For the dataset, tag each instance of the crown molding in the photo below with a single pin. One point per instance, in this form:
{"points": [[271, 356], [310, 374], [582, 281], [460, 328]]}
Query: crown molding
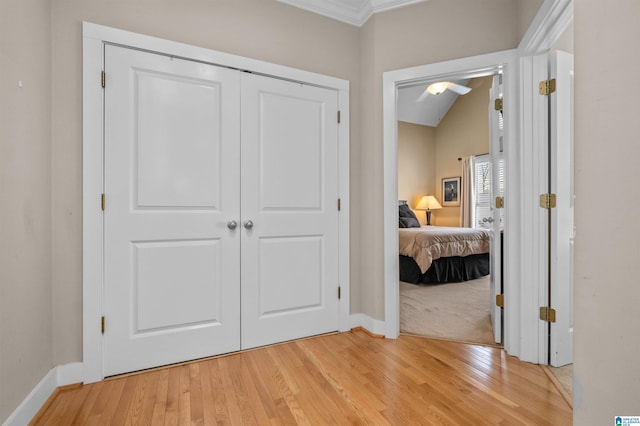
{"points": [[354, 12], [551, 20]]}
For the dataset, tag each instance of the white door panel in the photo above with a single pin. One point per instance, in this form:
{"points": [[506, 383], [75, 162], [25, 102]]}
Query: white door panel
{"points": [[495, 256], [171, 182], [178, 161], [562, 226], [289, 256]]}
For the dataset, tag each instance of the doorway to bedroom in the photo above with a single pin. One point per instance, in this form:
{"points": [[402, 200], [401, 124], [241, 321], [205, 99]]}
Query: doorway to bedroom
{"points": [[449, 137]]}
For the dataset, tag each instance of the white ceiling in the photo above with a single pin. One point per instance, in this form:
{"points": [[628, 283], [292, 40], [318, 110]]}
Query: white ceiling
{"points": [[354, 12], [430, 110]]}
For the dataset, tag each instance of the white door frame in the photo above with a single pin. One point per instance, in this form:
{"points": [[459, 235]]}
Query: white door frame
{"points": [[505, 61], [94, 38], [523, 243], [548, 25]]}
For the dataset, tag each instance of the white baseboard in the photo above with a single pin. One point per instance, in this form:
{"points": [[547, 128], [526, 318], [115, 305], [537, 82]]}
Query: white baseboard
{"points": [[58, 376], [67, 374], [365, 321]]}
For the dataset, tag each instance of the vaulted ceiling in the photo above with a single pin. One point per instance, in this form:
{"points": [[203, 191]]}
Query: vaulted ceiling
{"points": [[354, 12]]}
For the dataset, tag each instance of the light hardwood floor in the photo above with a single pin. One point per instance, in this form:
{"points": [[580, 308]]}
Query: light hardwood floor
{"points": [[347, 378]]}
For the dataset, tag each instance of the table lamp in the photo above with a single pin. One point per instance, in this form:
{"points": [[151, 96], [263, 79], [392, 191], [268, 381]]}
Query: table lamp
{"points": [[428, 203]]}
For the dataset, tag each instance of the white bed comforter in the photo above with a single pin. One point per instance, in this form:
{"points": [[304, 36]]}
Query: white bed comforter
{"points": [[429, 243]]}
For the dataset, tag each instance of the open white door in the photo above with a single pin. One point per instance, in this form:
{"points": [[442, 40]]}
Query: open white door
{"points": [[497, 193], [562, 227]]}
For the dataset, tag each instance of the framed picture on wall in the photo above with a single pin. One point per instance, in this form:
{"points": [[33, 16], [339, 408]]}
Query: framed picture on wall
{"points": [[451, 191]]}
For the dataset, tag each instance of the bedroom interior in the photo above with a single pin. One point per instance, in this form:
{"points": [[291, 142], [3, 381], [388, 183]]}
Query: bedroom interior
{"points": [[431, 142]]}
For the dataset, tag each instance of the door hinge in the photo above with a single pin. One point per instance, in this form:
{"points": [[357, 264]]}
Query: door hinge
{"points": [[103, 79], [338, 117], [102, 324], [500, 300], [547, 87], [339, 292], [102, 201], [339, 204], [499, 202], [498, 104], [547, 201], [547, 314]]}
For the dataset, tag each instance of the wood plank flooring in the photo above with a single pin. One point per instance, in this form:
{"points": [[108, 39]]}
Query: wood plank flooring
{"points": [[347, 378]]}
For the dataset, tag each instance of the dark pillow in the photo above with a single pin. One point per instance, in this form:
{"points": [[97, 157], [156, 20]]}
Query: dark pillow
{"points": [[408, 222], [405, 211]]}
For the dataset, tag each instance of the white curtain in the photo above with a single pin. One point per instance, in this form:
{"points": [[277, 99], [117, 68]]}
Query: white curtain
{"points": [[466, 193]]}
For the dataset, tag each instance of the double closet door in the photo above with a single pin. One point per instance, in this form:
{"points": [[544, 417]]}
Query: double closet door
{"points": [[220, 221]]}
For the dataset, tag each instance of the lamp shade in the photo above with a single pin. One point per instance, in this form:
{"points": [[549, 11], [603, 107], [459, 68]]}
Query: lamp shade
{"points": [[428, 202]]}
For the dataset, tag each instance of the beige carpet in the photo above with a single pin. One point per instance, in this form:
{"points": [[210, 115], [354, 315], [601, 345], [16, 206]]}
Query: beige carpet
{"points": [[564, 376], [456, 311]]}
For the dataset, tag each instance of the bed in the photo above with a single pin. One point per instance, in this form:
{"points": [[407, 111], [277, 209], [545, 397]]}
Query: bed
{"points": [[439, 254]]}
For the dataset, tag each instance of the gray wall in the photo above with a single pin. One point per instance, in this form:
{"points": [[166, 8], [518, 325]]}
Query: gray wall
{"points": [[607, 247], [25, 199]]}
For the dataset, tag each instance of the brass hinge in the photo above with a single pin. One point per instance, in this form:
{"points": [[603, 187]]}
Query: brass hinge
{"points": [[339, 293], [103, 79], [547, 314], [547, 87], [338, 117], [102, 201], [339, 204], [499, 202], [500, 300], [547, 201], [498, 104], [102, 324]]}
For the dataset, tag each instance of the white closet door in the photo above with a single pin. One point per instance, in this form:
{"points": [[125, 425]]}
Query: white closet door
{"points": [[289, 195], [172, 156]]}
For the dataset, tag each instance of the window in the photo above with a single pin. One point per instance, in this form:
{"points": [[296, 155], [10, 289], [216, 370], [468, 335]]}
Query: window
{"points": [[482, 191]]}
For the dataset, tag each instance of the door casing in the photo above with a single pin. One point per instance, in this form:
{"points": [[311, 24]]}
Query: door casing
{"points": [[524, 242], [505, 62], [94, 38]]}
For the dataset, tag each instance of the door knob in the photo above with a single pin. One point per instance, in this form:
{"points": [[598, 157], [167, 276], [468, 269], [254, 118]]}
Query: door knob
{"points": [[248, 224], [232, 224]]}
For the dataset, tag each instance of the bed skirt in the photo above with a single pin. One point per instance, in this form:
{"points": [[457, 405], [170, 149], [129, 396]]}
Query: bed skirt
{"points": [[445, 270]]}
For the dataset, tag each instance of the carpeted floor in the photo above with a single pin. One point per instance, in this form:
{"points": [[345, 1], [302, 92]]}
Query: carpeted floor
{"points": [[564, 376], [456, 311]]}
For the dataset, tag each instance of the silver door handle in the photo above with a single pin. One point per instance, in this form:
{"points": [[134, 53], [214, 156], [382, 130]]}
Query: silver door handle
{"points": [[248, 224], [232, 224]]}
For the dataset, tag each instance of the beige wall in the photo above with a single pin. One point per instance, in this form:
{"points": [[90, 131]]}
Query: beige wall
{"points": [[416, 163], [462, 132], [607, 293], [254, 28], [25, 209], [527, 10]]}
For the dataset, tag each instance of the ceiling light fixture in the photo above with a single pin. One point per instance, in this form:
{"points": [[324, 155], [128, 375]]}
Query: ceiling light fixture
{"points": [[437, 88]]}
